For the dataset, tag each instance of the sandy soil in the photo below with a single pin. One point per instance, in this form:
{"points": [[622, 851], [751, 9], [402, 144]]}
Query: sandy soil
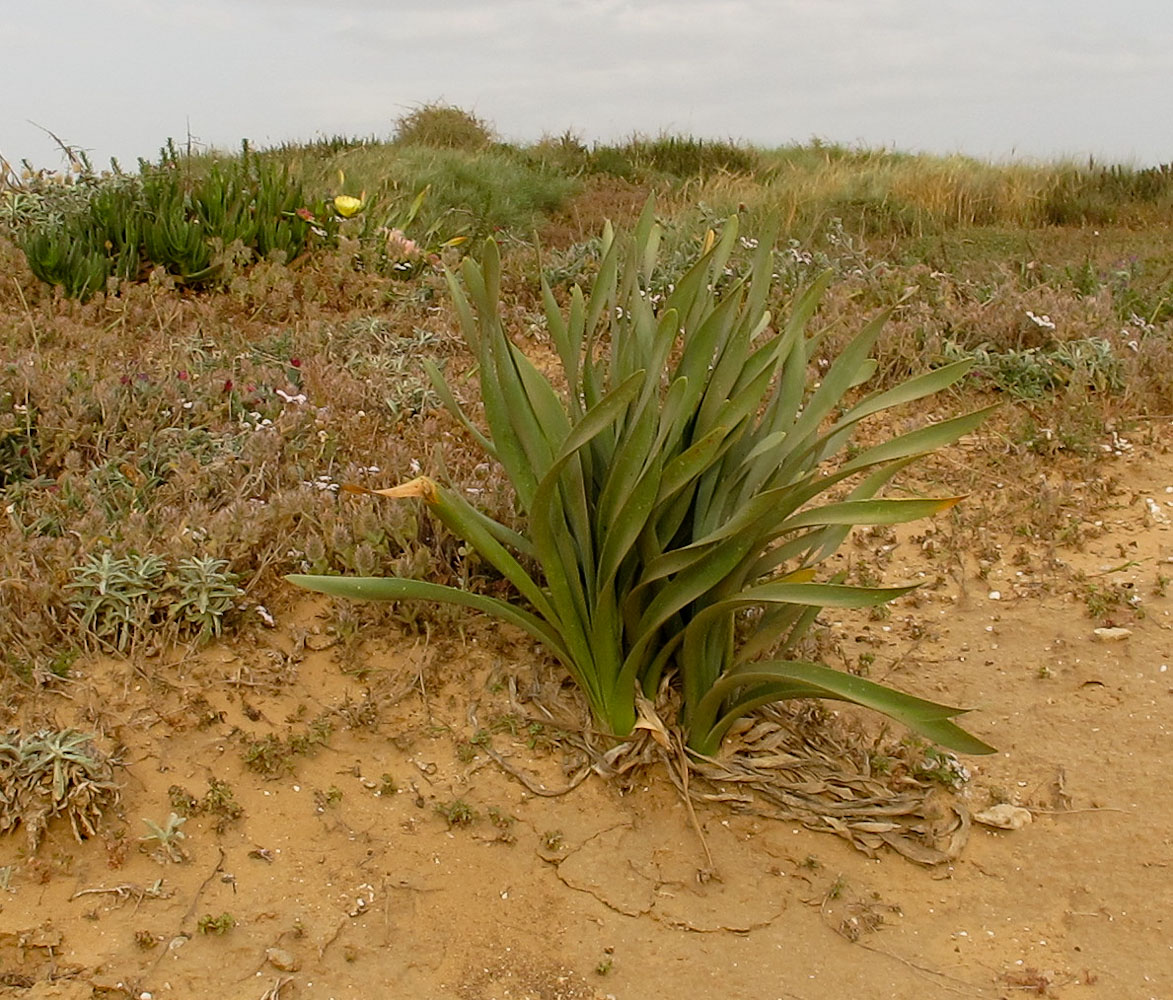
{"points": [[343, 878]]}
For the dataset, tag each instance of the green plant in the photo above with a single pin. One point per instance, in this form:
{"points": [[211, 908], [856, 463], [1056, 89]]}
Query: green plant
{"points": [[121, 598], [670, 498], [442, 126], [268, 756], [679, 156], [167, 836], [501, 820], [220, 801], [182, 801], [457, 812], [1035, 372], [273, 756], [207, 924], [191, 220], [116, 595], [471, 194], [49, 773], [1101, 599], [943, 768], [207, 591]]}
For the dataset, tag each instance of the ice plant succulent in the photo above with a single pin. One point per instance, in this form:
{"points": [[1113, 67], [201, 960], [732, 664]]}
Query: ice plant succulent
{"points": [[680, 482]]}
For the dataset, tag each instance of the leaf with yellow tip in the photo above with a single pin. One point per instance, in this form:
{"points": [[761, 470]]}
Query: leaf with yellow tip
{"points": [[421, 487]]}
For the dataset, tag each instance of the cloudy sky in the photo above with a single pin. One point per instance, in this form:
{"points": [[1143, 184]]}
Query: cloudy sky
{"points": [[995, 79]]}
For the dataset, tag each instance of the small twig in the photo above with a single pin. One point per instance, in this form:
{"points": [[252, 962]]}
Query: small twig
{"points": [[74, 159], [532, 785], [274, 991], [195, 901], [333, 937], [126, 890]]}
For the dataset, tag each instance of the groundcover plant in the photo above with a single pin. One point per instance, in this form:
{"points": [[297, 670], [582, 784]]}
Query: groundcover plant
{"points": [[681, 492]]}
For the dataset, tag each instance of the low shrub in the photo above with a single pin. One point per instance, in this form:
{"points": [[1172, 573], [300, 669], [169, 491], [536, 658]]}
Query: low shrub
{"points": [[441, 126]]}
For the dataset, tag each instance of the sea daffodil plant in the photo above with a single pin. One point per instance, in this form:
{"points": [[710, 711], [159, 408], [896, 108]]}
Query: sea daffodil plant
{"points": [[691, 473]]}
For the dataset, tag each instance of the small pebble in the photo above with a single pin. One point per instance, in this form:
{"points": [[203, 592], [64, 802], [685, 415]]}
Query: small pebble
{"points": [[281, 959]]}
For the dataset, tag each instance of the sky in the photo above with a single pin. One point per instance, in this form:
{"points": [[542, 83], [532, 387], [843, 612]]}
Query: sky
{"points": [[997, 80]]}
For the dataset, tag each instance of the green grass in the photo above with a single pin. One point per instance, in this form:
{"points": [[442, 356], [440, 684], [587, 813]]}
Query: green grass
{"points": [[470, 193]]}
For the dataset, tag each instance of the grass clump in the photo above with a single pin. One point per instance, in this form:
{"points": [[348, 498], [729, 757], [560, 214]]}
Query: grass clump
{"points": [[475, 193], [441, 126], [672, 496], [680, 157]]}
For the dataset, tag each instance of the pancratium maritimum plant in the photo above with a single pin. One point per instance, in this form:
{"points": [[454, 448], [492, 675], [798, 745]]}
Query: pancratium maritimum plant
{"points": [[681, 480]]}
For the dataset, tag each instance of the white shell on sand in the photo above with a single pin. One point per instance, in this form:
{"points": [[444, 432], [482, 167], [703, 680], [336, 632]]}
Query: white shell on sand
{"points": [[1004, 816]]}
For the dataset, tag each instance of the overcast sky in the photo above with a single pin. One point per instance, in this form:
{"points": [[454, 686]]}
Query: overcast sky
{"points": [[995, 79]]}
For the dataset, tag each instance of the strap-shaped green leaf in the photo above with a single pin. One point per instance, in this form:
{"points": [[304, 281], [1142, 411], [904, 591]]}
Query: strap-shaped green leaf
{"points": [[762, 683], [390, 588]]}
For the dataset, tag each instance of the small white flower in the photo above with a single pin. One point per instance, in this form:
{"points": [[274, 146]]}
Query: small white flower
{"points": [[296, 400]]}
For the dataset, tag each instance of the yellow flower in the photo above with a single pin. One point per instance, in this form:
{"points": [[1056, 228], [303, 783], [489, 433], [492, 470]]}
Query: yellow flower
{"points": [[346, 206]]}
